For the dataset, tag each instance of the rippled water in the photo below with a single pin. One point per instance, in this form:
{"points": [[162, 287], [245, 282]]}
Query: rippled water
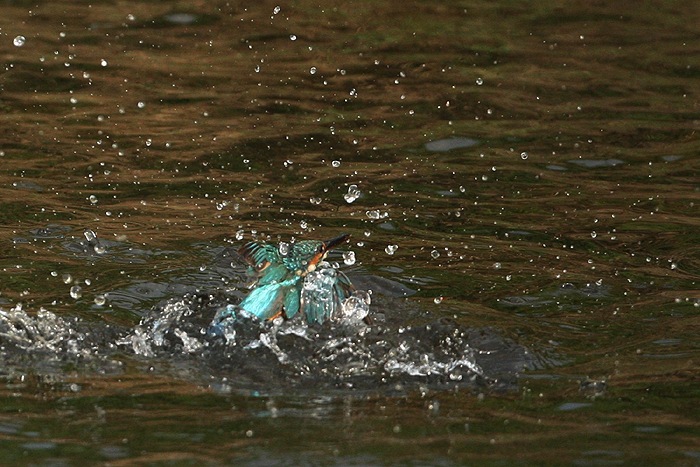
{"points": [[521, 185]]}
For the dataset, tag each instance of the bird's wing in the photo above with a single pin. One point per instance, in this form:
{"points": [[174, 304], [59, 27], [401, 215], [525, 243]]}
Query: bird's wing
{"points": [[265, 301], [259, 255]]}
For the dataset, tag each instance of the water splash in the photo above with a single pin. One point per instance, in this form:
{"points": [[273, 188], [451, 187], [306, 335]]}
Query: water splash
{"points": [[44, 343], [343, 352]]}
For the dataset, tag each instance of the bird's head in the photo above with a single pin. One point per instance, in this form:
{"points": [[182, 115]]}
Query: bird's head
{"points": [[304, 256]]}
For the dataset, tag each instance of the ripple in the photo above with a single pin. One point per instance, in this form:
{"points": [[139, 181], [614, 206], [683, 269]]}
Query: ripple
{"points": [[596, 163], [448, 144]]}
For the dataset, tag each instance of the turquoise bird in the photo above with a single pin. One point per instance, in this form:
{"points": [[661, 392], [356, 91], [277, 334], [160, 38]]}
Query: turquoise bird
{"points": [[291, 279]]}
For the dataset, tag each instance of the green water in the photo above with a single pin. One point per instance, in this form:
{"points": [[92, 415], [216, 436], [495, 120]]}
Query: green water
{"points": [[536, 163]]}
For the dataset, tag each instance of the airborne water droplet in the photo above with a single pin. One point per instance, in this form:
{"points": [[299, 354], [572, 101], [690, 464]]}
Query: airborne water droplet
{"points": [[349, 258], [352, 194], [76, 292]]}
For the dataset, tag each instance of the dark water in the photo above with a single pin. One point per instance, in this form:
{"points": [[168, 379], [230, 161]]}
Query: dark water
{"points": [[532, 167]]}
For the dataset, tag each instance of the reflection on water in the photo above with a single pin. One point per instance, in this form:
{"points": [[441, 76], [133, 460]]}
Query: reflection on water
{"points": [[518, 179]]}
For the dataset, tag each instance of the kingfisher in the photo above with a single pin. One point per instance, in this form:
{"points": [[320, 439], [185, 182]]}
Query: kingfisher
{"points": [[291, 279]]}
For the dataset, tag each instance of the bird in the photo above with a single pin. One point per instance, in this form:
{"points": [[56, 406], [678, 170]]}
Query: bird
{"points": [[291, 279]]}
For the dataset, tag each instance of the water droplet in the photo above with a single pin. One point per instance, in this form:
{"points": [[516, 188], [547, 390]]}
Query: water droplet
{"points": [[283, 248], [497, 265], [276, 10], [312, 70], [292, 37], [19, 41], [335, 164], [92, 199], [90, 236], [239, 235], [76, 292], [438, 300], [479, 81], [304, 225], [73, 100], [373, 214], [594, 234], [349, 258], [100, 300], [352, 194], [67, 278], [314, 200], [141, 105], [391, 249], [435, 254], [103, 62], [523, 155]]}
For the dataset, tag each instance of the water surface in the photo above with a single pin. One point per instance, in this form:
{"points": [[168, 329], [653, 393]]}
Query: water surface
{"points": [[531, 168]]}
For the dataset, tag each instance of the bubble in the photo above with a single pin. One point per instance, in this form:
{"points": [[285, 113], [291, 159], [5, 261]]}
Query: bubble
{"points": [[349, 258], [19, 41], [479, 81], [391, 249], [435, 254], [352, 194], [103, 62], [76, 292]]}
